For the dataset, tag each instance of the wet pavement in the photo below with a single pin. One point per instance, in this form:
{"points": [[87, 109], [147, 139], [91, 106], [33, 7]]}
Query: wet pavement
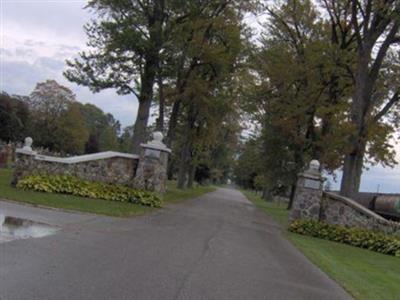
{"points": [[217, 246], [12, 228]]}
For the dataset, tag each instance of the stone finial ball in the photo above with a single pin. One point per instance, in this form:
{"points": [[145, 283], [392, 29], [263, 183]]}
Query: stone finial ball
{"points": [[28, 141], [314, 164], [158, 136]]}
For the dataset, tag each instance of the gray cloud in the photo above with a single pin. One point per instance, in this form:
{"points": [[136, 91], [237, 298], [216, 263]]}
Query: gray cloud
{"points": [[4, 52], [50, 63], [21, 77], [32, 43], [42, 35], [64, 17]]}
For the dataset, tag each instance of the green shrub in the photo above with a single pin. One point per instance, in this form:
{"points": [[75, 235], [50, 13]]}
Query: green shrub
{"points": [[378, 242], [78, 187]]}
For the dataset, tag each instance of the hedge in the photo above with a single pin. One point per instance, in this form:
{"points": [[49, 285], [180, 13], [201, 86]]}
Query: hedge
{"points": [[378, 242], [78, 187]]}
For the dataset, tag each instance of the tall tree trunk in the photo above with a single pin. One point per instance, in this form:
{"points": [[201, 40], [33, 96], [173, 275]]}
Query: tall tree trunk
{"points": [[151, 66], [352, 170], [266, 194], [298, 165], [353, 160], [139, 132], [173, 121], [186, 154], [291, 197], [160, 120], [191, 174], [183, 166]]}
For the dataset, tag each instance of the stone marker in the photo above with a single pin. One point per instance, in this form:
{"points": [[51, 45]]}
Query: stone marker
{"points": [[151, 174], [307, 198]]}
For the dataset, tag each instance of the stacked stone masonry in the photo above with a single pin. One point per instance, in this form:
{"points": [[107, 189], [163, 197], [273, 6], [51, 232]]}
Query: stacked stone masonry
{"points": [[117, 170], [147, 172], [343, 211], [310, 202]]}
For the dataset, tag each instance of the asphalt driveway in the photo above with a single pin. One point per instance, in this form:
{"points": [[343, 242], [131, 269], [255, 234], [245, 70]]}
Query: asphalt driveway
{"points": [[218, 246]]}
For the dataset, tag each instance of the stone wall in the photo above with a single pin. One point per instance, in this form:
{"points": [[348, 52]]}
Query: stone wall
{"points": [[310, 202], [147, 172], [339, 210], [108, 167]]}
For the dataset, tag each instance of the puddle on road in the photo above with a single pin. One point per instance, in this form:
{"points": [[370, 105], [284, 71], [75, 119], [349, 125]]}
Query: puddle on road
{"points": [[12, 228]]}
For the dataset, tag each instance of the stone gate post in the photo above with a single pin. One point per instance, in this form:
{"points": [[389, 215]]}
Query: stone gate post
{"points": [[23, 161], [308, 195], [151, 173]]}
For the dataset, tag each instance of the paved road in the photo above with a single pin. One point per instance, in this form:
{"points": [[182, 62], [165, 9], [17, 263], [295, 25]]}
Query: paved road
{"points": [[218, 246]]}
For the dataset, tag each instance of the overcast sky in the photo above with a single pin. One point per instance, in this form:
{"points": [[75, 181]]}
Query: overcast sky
{"points": [[36, 36]]}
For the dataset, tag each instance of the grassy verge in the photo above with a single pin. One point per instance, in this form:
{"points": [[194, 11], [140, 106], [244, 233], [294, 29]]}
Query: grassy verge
{"points": [[109, 208], [364, 274]]}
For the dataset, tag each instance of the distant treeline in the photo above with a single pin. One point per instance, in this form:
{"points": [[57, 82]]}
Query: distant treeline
{"points": [[56, 121]]}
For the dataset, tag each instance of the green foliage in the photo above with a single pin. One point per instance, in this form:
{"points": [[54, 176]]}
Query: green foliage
{"points": [[14, 115], [206, 50], [75, 186], [48, 102], [72, 133], [57, 122], [103, 129], [97, 206], [357, 237], [249, 164]]}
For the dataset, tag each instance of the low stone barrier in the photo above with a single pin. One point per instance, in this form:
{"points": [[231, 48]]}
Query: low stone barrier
{"points": [[147, 171], [339, 210], [108, 167], [311, 202]]}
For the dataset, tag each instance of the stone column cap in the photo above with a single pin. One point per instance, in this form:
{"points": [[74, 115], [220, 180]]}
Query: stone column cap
{"points": [[27, 148], [313, 171], [156, 143]]}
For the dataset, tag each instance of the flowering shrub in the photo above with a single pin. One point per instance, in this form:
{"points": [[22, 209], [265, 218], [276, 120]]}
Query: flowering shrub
{"points": [[78, 187], [378, 242]]}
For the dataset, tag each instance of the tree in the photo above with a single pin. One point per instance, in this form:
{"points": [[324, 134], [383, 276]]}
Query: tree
{"points": [[297, 96], [197, 41], [370, 30], [125, 40], [125, 140], [103, 129], [205, 48], [72, 132], [14, 118], [48, 102], [248, 163]]}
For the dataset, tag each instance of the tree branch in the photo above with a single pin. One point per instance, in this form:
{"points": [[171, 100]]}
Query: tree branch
{"points": [[376, 66], [354, 21], [395, 98]]}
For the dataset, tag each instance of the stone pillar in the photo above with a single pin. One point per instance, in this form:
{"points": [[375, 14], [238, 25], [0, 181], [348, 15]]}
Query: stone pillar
{"points": [[151, 173], [23, 161], [308, 195]]}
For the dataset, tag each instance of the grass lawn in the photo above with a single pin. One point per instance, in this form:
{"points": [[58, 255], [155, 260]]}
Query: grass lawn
{"points": [[110, 208], [363, 273]]}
